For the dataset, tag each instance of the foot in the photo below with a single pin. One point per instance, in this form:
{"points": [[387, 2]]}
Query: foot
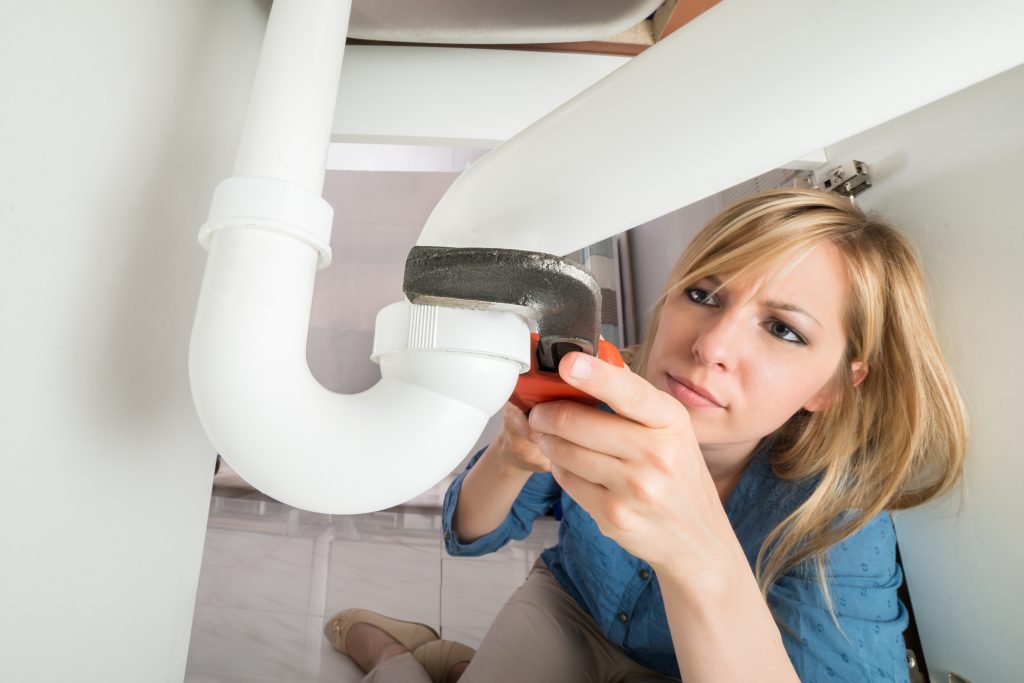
{"points": [[374, 636], [368, 646]]}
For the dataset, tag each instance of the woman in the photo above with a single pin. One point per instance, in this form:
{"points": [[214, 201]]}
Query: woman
{"points": [[727, 519]]}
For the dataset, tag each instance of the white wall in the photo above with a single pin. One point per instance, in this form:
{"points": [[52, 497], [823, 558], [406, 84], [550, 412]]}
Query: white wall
{"points": [[951, 175], [118, 119]]}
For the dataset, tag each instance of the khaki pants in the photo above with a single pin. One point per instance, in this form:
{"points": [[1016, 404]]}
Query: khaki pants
{"points": [[540, 636]]}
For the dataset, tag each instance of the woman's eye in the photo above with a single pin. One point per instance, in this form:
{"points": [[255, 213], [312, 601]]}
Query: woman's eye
{"points": [[785, 332], [701, 296]]}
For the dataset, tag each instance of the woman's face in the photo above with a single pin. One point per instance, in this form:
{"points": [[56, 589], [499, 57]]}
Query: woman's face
{"points": [[744, 360]]}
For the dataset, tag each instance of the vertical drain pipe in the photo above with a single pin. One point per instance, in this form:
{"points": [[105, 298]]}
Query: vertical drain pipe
{"points": [[443, 372], [291, 109]]}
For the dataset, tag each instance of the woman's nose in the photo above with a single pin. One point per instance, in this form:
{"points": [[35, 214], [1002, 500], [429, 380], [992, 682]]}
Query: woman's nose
{"points": [[715, 344]]}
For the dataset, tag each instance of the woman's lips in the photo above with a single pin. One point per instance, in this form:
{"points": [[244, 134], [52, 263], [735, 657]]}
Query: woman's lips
{"points": [[690, 396]]}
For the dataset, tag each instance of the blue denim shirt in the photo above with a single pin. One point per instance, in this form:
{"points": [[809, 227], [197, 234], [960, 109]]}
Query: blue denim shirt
{"points": [[621, 592]]}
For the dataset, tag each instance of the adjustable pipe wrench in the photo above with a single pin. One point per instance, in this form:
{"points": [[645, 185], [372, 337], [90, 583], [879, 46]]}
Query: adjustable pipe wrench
{"points": [[559, 295]]}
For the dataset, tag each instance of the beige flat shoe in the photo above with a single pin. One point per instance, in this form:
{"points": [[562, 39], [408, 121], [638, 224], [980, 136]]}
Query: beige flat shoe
{"points": [[408, 633], [438, 657]]}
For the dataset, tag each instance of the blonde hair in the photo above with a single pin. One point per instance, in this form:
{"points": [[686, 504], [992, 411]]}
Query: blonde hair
{"points": [[892, 442]]}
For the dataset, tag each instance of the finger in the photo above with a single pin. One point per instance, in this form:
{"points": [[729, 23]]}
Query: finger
{"points": [[594, 467], [517, 423], [590, 427], [590, 497], [628, 394]]}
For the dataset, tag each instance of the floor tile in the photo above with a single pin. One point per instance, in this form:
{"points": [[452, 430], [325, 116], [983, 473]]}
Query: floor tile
{"points": [[272, 575], [278, 580]]}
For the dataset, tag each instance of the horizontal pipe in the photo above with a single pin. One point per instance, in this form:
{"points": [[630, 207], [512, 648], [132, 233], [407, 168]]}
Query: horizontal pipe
{"points": [[744, 88]]}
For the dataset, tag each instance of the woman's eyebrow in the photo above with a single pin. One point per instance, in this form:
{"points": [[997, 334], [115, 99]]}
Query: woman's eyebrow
{"points": [[770, 303], [783, 306]]}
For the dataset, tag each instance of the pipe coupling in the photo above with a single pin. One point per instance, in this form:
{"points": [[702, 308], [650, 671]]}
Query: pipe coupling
{"points": [[271, 204]]}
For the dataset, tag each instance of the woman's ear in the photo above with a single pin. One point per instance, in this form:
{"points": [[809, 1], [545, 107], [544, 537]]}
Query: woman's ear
{"points": [[828, 394], [859, 372]]}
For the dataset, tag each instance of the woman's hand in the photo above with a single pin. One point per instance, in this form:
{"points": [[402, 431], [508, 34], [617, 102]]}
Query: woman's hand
{"points": [[516, 443], [642, 477], [639, 473]]}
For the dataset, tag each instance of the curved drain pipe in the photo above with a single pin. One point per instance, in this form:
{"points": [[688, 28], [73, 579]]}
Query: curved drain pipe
{"points": [[444, 371]]}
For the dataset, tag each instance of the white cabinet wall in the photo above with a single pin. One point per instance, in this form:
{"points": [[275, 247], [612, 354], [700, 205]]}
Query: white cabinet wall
{"points": [[118, 119], [951, 175]]}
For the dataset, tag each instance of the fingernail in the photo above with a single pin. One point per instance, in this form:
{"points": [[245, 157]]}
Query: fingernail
{"points": [[581, 367]]}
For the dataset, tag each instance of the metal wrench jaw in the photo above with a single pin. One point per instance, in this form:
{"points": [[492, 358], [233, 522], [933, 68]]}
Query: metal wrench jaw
{"points": [[551, 350], [562, 297]]}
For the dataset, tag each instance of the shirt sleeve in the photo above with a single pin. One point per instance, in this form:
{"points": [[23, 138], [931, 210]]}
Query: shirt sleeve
{"points": [[536, 498], [865, 640]]}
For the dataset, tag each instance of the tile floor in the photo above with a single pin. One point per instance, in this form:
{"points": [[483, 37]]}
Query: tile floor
{"points": [[272, 575]]}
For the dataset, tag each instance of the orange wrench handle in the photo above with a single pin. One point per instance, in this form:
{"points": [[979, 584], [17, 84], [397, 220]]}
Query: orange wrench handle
{"points": [[537, 386]]}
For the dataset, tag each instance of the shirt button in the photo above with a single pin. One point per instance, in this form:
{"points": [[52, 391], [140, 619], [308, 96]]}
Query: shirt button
{"points": [[623, 617], [644, 574]]}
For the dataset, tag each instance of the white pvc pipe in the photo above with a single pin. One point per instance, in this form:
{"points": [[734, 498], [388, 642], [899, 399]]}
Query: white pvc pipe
{"points": [[286, 434], [285, 134], [743, 89], [267, 233]]}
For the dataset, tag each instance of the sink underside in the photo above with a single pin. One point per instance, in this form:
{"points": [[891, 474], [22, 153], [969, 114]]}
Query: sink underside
{"points": [[482, 22]]}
